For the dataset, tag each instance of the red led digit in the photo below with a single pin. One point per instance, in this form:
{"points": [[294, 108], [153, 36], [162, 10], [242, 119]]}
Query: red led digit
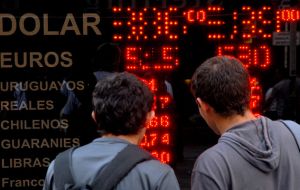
{"points": [[254, 25], [259, 57], [169, 55], [211, 11], [256, 96], [286, 15], [201, 16], [248, 25], [244, 54], [164, 101], [262, 57], [131, 54], [149, 140], [117, 24], [137, 24], [295, 15], [165, 121], [144, 142], [153, 139], [164, 58], [225, 50], [165, 139], [155, 154], [165, 157], [290, 15], [152, 84], [278, 21], [193, 16], [153, 123], [164, 25], [146, 24], [263, 22], [234, 28]]}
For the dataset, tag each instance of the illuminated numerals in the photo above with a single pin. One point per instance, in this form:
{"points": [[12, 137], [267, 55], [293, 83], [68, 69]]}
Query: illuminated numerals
{"points": [[235, 26], [162, 121], [259, 57], [211, 11], [165, 139], [207, 17], [289, 15], [118, 24], [154, 123], [165, 121], [163, 156], [262, 56], [165, 26], [249, 23], [145, 24], [152, 84], [164, 101], [254, 24], [245, 54], [137, 24], [286, 15], [265, 23], [153, 139], [164, 58], [256, 96], [150, 140], [195, 16]]}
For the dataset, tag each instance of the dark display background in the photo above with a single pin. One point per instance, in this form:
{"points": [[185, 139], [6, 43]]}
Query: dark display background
{"points": [[20, 163]]}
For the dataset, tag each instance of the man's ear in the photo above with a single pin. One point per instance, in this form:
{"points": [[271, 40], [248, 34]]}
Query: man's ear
{"points": [[150, 115], [203, 105], [198, 101], [94, 115]]}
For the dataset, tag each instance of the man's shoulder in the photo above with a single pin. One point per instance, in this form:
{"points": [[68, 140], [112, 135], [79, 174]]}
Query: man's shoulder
{"points": [[213, 161], [213, 154], [151, 174], [153, 166]]}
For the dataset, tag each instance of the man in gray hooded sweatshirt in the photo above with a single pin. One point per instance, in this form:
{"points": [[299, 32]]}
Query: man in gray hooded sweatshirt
{"points": [[252, 153]]}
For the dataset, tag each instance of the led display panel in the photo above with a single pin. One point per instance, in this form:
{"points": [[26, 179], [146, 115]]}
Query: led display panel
{"points": [[47, 50]]}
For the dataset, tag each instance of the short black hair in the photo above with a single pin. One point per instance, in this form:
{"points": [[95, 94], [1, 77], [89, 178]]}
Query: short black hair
{"points": [[107, 57], [223, 82], [121, 103]]}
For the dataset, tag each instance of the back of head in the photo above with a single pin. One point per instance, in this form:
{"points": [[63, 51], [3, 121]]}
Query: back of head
{"points": [[107, 57], [223, 83], [121, 103]]}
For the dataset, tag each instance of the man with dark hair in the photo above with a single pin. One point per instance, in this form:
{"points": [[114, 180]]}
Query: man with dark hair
{"points": [[286, 96], [122, 109], [107, 60], [252, 152]]}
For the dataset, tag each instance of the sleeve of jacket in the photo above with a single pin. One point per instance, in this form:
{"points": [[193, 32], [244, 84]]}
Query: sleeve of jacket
{"points": [[48, 184], [201, 181], [168, 181]]}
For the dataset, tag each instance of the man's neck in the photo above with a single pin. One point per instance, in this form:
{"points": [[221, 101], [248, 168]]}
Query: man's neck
{"points": [[224, 124], [134, 139]]}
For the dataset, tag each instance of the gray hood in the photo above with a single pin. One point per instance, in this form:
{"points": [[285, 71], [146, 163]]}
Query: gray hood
{"points": [[254, 141]]}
